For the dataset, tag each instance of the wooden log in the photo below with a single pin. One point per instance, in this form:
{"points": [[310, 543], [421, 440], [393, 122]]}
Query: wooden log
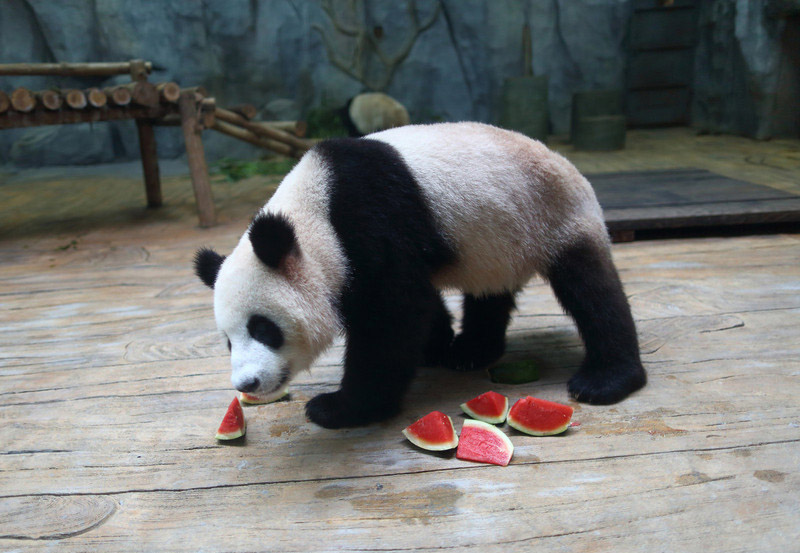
{"points": [[297, 128], [208, 108], [143, 93], [5, 102], [118, 95], [76, 99], [247, 136], [199, 92], [23, 100], [149, 154], [169, 92], [248, 111], [196, 158], [15, 119], [70, 69], [50, 99], [263, 131], [96, 97]]}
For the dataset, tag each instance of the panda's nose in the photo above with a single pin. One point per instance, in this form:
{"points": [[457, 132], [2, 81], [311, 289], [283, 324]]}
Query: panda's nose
{"points": [[248, 386]]}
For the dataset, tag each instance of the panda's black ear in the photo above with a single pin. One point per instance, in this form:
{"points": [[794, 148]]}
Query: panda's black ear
{"points": [[273, 239], [206, 265]]}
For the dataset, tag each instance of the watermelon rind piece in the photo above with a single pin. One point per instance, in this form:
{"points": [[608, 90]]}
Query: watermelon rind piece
{"points": [[434, 420], [477, 407], [515, 372], [530, 415], [474, 433], [250, 399], [233, 424]]}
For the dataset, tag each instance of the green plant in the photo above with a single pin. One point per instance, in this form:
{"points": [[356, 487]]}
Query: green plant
{"points": [[325, 122], [237, 169]]}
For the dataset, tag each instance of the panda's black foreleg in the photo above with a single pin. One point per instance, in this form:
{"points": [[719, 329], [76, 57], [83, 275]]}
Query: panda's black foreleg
{"points": [[387, 327], [482, 339], [440, 337], [587, 285]]}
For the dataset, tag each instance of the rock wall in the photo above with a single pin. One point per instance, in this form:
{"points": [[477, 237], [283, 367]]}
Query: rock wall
{"points": [[265, 52]]}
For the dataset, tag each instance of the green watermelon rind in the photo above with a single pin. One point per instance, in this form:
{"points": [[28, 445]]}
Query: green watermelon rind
{"points": [[500, 419], [430, 446], [519, 425], [250, 399]]}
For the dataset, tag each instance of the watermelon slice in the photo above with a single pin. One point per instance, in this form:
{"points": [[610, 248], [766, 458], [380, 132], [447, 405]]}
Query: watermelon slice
{"points": [[433, 432], [484, 443], [250, 399], [233, 424], [489, 407], [539, 417]]}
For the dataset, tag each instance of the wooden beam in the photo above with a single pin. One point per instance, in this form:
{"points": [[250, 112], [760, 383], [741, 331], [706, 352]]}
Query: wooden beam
{"points": [[196, 158], [247, 136], [13, 119], [5, 102], [70, 69], [300, 146]]}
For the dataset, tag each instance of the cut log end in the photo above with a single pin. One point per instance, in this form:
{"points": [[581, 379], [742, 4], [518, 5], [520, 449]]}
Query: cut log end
{"points": [[50, 99], [119, 95], [96, 97], [5, 102], [169, 92], [23, 100], [75, 99]]}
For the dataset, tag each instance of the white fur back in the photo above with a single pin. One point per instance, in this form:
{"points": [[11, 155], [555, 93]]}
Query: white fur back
{"points": [[506, 203]]}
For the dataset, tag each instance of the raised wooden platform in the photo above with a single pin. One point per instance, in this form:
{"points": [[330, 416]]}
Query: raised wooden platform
{"points": [[113, 379], [680, 198]]}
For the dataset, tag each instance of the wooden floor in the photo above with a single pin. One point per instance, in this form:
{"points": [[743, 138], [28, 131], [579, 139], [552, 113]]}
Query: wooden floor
{"points": [[113, 380]]}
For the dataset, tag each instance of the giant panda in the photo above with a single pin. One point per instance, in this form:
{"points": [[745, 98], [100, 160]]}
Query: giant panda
{"points": [[363, 235]]}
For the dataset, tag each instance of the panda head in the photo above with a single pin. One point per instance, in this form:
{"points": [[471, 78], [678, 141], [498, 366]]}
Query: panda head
{"points": [[271, 315]]}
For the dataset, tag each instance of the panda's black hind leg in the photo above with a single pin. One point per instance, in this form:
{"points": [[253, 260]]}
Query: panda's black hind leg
{"points": [[482, 339], [587, 285]]}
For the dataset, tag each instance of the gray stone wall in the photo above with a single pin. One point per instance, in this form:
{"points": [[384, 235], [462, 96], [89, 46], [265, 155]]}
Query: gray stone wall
{"points": [[265, 51]]}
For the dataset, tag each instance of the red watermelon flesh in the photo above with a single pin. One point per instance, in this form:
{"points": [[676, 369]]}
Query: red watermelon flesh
{"points": [[433, 432], [484, 443], [233, 424], [539, 417], [488, 407]]}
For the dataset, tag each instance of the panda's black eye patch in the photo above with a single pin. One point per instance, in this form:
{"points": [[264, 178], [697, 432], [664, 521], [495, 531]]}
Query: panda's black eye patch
{"points": [[265, 331]]}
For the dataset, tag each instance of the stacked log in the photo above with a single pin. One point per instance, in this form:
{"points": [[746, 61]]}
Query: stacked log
{"points": [[260, 134]]}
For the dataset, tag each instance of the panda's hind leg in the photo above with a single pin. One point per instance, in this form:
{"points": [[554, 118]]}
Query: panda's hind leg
{"points": [[587, 285], [482, 339]]}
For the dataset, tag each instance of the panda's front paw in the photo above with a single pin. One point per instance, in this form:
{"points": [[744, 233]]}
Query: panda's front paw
{"points": [[469, 353], [332, 410], [608, 385]]}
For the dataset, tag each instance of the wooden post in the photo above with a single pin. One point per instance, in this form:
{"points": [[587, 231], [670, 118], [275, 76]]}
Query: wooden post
{"points": [[149, 153], [196, 158]]}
